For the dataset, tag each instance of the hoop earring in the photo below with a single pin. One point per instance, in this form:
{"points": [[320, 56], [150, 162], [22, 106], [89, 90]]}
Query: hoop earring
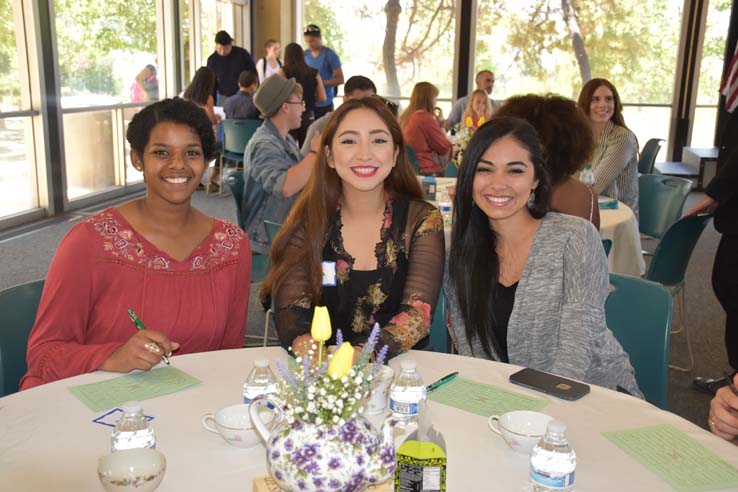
{"points": [[532, 199]]}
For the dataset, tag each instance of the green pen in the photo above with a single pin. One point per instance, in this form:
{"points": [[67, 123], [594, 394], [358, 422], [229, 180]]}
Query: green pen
{"points": [[441, 382], [140, 326]]}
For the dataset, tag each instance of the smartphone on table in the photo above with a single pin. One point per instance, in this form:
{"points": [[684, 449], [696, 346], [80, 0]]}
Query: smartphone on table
{"points": [[550, 384]]}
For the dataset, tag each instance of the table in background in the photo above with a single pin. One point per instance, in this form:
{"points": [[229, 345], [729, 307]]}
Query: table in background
{"points": [[48, 441], [621, 227]]}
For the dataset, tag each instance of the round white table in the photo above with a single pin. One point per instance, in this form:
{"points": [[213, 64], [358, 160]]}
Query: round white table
{"points": [[621, 227], [48, 442]]}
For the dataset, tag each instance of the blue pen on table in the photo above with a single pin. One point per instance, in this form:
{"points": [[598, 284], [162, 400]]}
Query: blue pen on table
{"points": [[441, 382], [139, 324]]}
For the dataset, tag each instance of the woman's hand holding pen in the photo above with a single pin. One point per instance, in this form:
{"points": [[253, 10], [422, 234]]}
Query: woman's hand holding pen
{"points": [[142, 351]]}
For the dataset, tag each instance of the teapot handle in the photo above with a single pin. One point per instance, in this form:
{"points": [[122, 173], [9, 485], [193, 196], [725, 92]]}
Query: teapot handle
{"points": [[273, 405]]}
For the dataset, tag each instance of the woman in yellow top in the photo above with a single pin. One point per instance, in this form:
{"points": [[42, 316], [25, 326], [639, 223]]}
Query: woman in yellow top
{"points": [[478, 111]]}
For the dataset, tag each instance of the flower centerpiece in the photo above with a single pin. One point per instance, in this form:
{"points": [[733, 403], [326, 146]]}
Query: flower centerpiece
{"points": [[323, 442], [463, 136]]}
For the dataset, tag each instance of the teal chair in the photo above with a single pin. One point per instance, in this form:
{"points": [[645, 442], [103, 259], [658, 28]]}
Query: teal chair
{"points": [[451, 170], [660, 202], [272, 228], [236, 134], [648, 155], [235, 183], [638, 313], [607, 244], [669, 266], [413, 158], [18, 306], [439, 329]]}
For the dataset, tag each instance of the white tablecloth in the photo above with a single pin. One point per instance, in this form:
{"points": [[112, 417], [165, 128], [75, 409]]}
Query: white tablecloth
{"points": [[48, 442], [621, 227]]}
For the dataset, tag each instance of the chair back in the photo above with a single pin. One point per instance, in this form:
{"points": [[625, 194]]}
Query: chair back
{"points": [[235, 183], [236, 134], [439, 329], [660, 202], [638, 313], [259, 267], [670, 260], [607, 245], [451, 170], [648, 155], [272, 228], [413, 158], [18, 306]]}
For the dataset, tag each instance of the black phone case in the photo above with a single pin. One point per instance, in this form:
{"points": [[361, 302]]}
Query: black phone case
{"points": [[550, 384]]}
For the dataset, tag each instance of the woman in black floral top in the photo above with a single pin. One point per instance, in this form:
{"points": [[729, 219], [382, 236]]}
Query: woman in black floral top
{"points": [[360, 239]]}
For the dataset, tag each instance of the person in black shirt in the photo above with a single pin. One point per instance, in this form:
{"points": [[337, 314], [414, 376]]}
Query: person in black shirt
{"points": [[228, 61]]}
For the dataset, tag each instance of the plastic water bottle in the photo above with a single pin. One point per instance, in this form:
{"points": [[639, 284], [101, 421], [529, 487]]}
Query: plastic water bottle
{"points": [[261, 381], [133, 429], [444, 205], [553, 461], [406, 393], [429, 187], [587, 175]]}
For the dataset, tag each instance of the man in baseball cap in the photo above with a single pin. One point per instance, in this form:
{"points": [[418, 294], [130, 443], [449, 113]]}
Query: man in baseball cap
{"points": [[328, 65], [274, 170]]}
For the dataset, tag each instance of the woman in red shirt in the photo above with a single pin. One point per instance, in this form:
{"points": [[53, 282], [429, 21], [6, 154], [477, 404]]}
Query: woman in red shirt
{"points": [[423, 133], [186, 275]]}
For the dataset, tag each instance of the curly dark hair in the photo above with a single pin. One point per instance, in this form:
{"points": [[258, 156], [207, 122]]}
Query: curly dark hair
{"points": [[562, 128], [175, 110], [201, 87]]}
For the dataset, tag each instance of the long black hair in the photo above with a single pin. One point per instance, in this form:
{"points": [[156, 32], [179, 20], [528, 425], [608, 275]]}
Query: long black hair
{"points": [[294, 61], [474, 267]]}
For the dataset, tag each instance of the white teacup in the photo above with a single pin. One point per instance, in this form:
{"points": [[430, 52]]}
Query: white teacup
{"points": [[233, 423], [376, 400], [521, 429], [132, 470]]}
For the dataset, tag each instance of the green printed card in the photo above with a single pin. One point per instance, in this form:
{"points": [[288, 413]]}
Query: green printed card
{"points": [[484, 399], [676, 458], [138, 386]]}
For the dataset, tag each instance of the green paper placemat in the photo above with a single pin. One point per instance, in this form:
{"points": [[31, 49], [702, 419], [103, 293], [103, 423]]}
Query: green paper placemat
{"points": [[484, 399], [676, 458], [139, 386]]}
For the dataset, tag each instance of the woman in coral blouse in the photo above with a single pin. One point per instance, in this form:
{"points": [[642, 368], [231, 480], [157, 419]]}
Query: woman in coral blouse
{"points": [[422, 131], [359, 240], [186, 275]]}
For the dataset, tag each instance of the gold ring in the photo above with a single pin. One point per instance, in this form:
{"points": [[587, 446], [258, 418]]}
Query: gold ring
{"points": [[152, 347]]}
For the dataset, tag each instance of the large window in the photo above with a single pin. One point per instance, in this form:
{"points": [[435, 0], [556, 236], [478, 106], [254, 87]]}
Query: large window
{"points": [[544, 46], [107, 57], [395, 43], [18, 183]]}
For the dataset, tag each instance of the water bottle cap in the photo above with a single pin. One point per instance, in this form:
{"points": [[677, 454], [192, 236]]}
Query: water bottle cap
{"points": [[408, 365], [556, 427], [131, 407], [261, 362]]}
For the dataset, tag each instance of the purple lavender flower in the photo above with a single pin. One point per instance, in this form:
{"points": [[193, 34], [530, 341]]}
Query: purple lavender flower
{"points": [[381, 356], [339, 337], [287, 375], [306, 370]]}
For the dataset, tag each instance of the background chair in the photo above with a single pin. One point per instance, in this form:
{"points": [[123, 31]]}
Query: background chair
{"points": [[607, 244], [439, 328], [648, 155], [660, 202], [18, 306], [669, 266], [236, 134], [413, 158], [451, 170], [638, 313]]}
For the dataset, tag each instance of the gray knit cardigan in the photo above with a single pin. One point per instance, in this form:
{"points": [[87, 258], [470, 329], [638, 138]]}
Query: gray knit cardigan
{"points": [[557, 323]]}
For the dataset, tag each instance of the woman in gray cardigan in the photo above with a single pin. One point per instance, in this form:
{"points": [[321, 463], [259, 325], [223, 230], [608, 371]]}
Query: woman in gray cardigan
{"points": [[525, 285]]}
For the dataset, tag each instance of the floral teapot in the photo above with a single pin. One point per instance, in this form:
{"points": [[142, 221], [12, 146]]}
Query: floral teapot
{"points": [[346, 456]]}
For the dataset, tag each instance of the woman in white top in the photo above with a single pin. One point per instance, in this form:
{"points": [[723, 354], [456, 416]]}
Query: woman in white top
{"points": [[269, 64], [615, 156]]}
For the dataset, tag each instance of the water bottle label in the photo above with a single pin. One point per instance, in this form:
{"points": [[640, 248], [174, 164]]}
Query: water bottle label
{"points": [[552, 481], [403, 408]]}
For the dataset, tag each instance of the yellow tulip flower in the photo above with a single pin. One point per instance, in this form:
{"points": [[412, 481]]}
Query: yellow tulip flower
{"points": [[342, 361], [320, 329]]}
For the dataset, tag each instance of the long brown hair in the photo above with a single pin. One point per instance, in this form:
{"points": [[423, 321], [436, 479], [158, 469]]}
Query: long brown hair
{"points": [[301, 238], [585, 99], [420, 100]]}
